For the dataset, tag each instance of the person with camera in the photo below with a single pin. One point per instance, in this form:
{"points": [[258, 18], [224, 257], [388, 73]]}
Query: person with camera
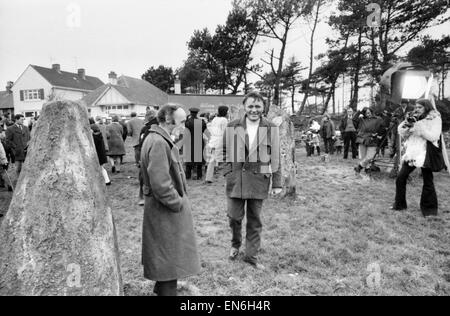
{"points": [[422, 130], [370, 129]]}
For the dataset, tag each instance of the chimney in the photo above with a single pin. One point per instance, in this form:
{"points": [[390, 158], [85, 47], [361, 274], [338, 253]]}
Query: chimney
{"points": [[112, 78], [9, 85], [56, 67], [177, 85], [82, 73]]}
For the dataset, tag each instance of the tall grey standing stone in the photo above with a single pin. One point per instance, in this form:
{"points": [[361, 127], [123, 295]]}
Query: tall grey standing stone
{"points": [[58, 237]]}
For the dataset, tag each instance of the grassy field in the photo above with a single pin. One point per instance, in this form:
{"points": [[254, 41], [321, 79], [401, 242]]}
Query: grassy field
{"points": [[337, 238]]}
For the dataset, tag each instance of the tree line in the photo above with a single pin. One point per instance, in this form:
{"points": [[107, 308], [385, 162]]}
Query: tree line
{"points": [[222, 60]]}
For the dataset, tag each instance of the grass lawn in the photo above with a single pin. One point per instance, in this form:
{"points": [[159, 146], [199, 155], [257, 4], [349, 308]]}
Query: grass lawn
{"points": [[338, 238]]}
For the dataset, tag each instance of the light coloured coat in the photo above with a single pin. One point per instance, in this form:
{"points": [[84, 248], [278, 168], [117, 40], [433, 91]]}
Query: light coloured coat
{"points": [[428, 129]]}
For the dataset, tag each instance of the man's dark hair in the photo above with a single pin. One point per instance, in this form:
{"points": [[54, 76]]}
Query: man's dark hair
{"points": [[133, 114], [254, 95], [166, 112], [223, 111], [91, 120], [18, 117]]}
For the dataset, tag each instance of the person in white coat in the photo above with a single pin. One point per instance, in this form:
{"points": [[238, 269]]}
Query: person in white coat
{"points": [[425, 125], [217, 129]]}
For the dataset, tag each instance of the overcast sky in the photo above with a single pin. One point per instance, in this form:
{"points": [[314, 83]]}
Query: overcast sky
{"points": [[125, 36]]}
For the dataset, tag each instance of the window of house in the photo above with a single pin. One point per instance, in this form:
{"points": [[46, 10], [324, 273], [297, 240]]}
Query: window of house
{"points": [[119, 107], [125, 107], [114, 107], [31, 94]]}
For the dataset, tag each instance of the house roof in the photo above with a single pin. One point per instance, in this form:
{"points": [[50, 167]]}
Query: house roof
{"points": [[136, 91], [6, 100], [68, 79]]}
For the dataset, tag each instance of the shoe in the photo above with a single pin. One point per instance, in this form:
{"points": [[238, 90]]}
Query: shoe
{"points": [[393, 208], [109, 183], [255, 265], [358, 169], [234, 252], [113, 169], [141, 202], [208, 182]]}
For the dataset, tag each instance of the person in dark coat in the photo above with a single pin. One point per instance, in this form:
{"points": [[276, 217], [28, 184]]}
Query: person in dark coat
{"points": [[100, 149], [115, 143], [124, 135], [251, 146], [194, 149], [328, 132], [134, 127], [370, 131], [169, 247], [349, 133], [17, 138], [150, 120]]}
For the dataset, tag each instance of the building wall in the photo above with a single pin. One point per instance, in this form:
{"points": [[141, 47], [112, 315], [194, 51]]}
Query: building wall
{"points": [[29, 80], [69, 94], [206, 103], [104, 112]]}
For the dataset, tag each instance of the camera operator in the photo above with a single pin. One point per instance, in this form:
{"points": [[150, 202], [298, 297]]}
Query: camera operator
{"points": [[398, 116], [421, 126], [370, 129]]}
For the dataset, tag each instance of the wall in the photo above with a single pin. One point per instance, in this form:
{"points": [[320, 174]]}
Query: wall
{"points": [[30, 79], [207, 103]]}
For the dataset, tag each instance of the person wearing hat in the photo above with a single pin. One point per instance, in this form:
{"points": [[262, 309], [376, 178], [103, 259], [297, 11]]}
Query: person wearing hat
{"points": [[194, 144]]}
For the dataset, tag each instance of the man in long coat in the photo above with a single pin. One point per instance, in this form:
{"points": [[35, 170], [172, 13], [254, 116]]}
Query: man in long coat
{"points": [[169, 248], [134, 127], [17, 138], [251, 147], [115, 143]]}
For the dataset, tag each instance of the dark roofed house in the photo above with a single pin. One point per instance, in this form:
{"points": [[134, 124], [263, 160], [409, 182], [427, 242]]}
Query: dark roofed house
{"points": [[124, 95], [7, 100], [39, 84]]}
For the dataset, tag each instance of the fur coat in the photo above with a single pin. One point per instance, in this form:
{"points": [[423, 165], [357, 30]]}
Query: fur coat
{"points": [[428, 129]]}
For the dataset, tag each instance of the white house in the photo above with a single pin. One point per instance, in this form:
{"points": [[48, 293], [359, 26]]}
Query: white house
{"points": [[124, 95], [38, 84]]}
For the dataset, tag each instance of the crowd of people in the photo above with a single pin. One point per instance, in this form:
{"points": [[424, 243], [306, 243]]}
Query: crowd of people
{"points": [[171, 146]]}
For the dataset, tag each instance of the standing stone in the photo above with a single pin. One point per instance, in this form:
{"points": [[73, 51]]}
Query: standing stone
{"points": [[58, 237], [287, 148]]}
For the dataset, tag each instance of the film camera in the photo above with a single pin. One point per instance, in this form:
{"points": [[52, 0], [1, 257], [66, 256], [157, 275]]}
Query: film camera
{"points": [[411, 119]]}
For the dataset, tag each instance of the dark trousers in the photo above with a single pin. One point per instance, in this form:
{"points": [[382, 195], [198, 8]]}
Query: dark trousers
{"points": [[168, 288], [329, 149], [141, 184], [350, 140], [236, 213], [311, 150], [137, 154], [194, 165], [428, 202]]}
